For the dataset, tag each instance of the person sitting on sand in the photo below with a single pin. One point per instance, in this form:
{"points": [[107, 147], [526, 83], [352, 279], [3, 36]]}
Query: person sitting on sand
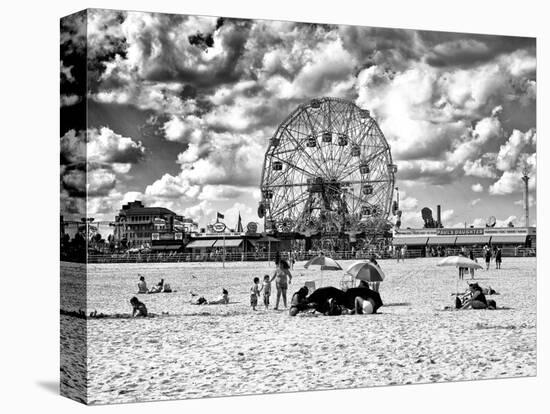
{"points": [[477, 300], [139, 308], [142, 285], [166, 288], [298, 302]]}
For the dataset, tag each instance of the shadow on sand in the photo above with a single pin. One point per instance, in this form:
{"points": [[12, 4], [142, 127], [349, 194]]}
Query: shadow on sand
{"points": [[50, 386]]}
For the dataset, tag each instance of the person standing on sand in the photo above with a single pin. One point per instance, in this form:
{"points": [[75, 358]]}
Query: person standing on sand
{"points": [[282, 279], [255, 293], [266, 288], [488, 255], [498, 258]]}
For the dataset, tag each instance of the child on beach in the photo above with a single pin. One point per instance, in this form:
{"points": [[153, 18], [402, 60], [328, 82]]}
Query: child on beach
{"points": [[266, 288], [254, 293], [139, 308]]}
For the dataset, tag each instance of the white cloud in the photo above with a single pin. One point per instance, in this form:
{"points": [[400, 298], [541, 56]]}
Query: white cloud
{"points": [[106, 146], [172, 187], [518, 143], [475, 201], [69, 100], [99, 182], [479, 168], [477, 188], [446, 215]]}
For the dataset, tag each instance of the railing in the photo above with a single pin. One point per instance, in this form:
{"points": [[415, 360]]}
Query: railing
{"points": [[300, 256]]}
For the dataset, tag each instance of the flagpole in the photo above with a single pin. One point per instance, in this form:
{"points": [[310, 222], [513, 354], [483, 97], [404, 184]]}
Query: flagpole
{"points": [[223, 260]]}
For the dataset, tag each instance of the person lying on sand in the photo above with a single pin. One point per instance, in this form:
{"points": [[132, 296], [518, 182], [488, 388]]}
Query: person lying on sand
{"points": [[139, 308], [364, 306], [223, 299], [158, 287], [298, 303], [319, 299]]}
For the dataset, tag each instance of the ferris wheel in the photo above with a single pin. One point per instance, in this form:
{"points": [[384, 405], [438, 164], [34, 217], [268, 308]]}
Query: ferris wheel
{"points": [[328, 169]]}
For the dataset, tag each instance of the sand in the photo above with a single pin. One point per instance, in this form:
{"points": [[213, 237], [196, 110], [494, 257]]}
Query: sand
{"points": [[202, 351]]}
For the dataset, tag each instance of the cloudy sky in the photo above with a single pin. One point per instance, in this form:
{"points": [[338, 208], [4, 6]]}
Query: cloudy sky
{"points": [[181, 108]]}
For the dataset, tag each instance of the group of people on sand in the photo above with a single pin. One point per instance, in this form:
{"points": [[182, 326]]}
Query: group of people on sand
{"points": [[332, 301], [326, 300], [488, 253], [475, 298], [160, 287], [282, 278]]}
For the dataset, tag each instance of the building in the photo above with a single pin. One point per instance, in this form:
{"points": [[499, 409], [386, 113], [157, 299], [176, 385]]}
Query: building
{"points": [[206, 246], [468, 237], [151, 226]]}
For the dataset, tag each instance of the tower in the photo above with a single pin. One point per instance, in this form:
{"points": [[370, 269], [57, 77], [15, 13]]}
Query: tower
{"points": [[525, 179]]}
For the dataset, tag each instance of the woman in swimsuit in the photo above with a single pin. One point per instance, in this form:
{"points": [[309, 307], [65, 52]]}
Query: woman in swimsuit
{"points": [[282, 279]]}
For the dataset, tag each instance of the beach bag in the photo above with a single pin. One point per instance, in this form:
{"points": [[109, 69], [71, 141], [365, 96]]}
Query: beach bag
{"points": [[458, 303]]}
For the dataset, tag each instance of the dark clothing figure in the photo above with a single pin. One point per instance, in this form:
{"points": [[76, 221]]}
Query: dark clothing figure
{"points": [[319, 299], [333, 308], [298, 303], [477, 300], [139, 308], [498, 258]]}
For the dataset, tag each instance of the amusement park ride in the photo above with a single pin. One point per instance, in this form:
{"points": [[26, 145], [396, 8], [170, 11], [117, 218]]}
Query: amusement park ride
{"points": [[328, 176]]}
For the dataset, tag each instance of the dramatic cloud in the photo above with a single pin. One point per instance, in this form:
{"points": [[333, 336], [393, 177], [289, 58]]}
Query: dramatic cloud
{"points": [[213, 91], [105, 146], [518, 143]]}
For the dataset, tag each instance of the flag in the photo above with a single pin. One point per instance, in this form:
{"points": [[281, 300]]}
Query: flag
{"points": [[239, 225], [220, 216]]}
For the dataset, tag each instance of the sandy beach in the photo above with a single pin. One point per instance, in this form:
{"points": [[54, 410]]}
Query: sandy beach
{"points": [[215, 350]]}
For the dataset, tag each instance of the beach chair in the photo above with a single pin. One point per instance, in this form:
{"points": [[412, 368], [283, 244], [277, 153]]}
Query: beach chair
{"points": [[310, 284], [347, 282]]}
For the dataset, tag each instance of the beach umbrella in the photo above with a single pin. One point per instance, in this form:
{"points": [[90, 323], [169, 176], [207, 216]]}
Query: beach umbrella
{"points": [[324, 262], [459, 261], [367, 271]]}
